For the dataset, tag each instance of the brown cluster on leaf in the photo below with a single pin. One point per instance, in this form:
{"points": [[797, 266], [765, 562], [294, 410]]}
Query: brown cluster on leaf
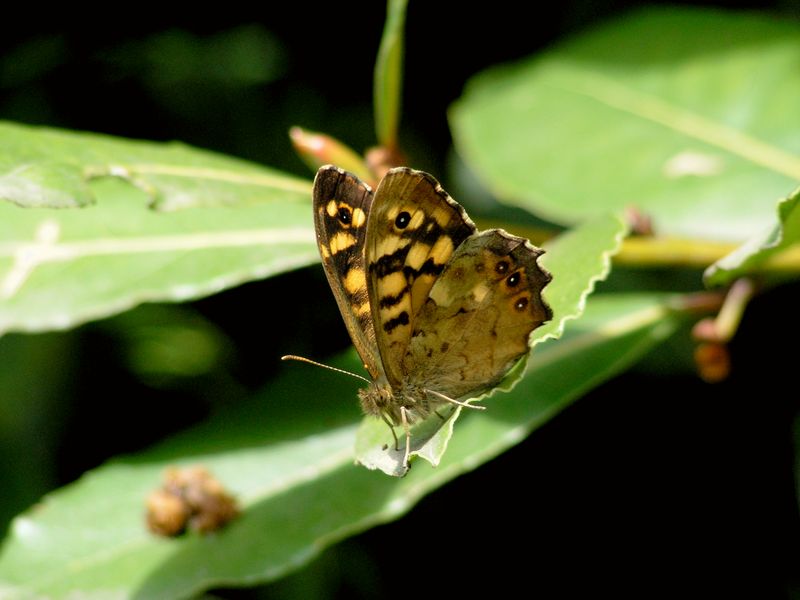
{"points": [[189, 499]]}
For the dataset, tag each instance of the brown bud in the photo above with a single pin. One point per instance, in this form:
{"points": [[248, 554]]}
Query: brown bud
{"points": [[713, 361], [317, 149]]}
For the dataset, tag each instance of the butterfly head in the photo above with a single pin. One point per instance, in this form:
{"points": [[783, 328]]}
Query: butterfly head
{"points": [[378, 400]]}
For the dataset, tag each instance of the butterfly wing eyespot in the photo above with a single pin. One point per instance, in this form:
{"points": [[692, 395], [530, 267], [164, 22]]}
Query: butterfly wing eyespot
{"points": [[402, 220], [345, 214]]}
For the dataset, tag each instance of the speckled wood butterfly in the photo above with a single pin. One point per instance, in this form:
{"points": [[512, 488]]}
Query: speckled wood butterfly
{"points": [[438, 311]]}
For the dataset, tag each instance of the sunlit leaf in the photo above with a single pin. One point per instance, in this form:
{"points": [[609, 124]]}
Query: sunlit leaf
{"points": [[766, 246], [61, 267], [293, 474], [689, 115]]}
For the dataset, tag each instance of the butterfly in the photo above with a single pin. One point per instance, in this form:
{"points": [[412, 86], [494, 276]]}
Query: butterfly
{"points": [[438, 311]]}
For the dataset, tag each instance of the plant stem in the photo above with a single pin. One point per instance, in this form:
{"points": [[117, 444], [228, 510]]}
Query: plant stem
{"points": [[389, 75], [649, 251], [730, 315], [671, 252], [653, 251]]}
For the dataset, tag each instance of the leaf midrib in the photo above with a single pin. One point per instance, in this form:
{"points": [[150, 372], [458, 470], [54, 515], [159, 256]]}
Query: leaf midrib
{"points": [[130, 170], [46, 248], [614, 94]]}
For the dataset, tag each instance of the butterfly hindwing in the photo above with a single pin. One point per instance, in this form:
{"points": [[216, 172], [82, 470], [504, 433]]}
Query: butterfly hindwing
{"points": [[413, 229], [341, 208], [475, 323]]}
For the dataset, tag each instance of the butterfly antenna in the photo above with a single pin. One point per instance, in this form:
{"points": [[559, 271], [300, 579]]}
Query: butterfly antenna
{"points": [[317, 364]]}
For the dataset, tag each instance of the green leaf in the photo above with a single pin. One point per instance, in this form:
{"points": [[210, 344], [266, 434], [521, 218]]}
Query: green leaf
{"points": [[689, 115], [293, 474], [577, 260], [44, 167], [389, 74], [748, 257], [59, 268]]}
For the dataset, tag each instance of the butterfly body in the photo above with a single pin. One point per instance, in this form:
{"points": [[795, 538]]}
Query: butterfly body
{"points": [[407, 403], [438, 311]]}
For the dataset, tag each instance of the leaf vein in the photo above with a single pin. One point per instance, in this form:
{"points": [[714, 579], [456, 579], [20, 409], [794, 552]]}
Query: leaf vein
{"points": [[614, 94]]}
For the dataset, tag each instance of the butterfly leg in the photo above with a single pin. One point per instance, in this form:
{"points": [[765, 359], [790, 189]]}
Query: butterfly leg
{"points": [[404, 419], [391, 428], [454, 401]]}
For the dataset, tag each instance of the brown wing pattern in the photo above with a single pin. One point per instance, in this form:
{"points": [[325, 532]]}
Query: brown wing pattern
{"points": [[341, 207], [478, 317], [413, 229]]}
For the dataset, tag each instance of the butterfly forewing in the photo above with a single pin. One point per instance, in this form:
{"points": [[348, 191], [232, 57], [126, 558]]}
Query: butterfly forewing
{"points": [[413, 229], [478, 317], [341, 207]]}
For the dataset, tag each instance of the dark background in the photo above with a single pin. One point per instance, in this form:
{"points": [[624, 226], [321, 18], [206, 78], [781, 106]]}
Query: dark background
{"points": [[654, 484]]}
